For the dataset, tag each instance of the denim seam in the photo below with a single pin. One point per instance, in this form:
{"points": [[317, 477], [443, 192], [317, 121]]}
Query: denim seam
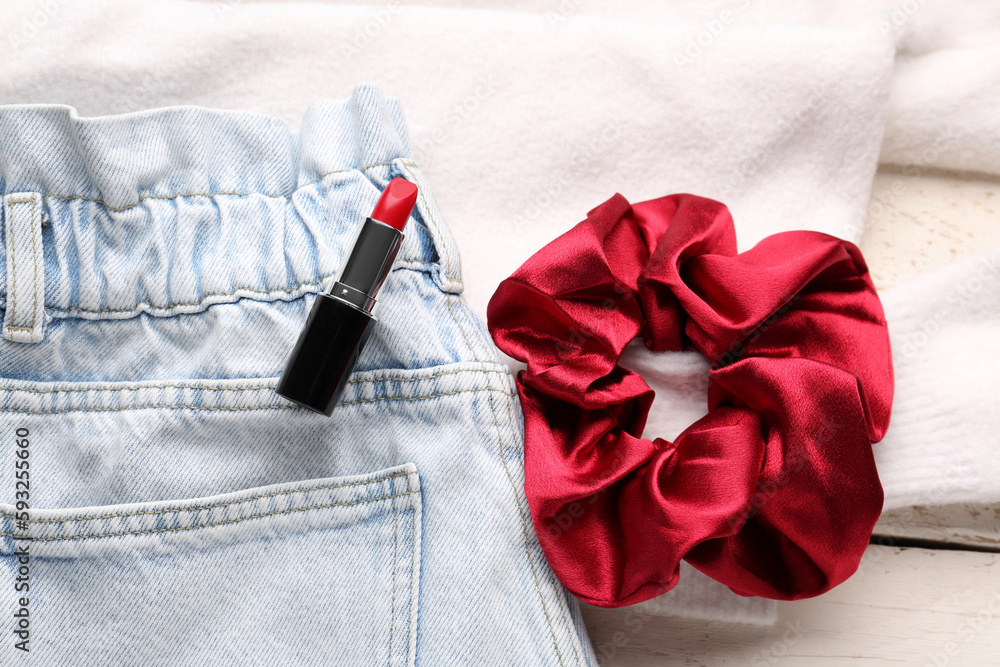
{"points": [[254, 290], [200, 301], [386, 378], [556, 586], [13, 260], [571, 634], [517, 502], [420, 194], [206, 525], [180, 510], [411, 640], [153, 407], [524, 530], [34, 258], [461, 328], [193, 387], [423, 398], [428, 377], [395, 565], [252, 407]]}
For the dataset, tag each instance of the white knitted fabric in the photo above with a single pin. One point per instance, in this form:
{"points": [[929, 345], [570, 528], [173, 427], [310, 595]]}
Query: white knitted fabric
{"points": [[943, 445]]}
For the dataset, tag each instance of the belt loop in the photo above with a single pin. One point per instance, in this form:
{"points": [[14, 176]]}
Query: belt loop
{"points": [[24, 316], [444, 244]]}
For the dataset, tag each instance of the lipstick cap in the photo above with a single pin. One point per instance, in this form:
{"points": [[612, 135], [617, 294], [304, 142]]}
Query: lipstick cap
{"points": [[325, 354]]}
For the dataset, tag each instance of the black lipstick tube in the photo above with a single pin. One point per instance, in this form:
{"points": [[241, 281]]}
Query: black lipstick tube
{"points": [[340, 322]]}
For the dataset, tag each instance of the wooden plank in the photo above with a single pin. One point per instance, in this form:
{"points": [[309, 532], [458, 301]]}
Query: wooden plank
{"points": [[920, 220], [974, 526], [918, 607]]}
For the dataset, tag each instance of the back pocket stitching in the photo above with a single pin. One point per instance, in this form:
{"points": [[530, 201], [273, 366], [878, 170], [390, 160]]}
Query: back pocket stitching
{"points": [[208, 507], [395, 564], [411, 650], [206, 525]]}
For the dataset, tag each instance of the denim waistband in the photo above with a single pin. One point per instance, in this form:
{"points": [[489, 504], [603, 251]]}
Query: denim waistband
{"points": [[172, 210]]}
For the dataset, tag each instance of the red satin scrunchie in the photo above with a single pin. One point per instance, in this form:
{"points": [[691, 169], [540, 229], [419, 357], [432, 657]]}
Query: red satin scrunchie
{"points": [[774, 492]]}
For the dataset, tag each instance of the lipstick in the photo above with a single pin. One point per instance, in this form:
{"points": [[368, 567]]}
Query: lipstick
{"points": [[341, 318]]}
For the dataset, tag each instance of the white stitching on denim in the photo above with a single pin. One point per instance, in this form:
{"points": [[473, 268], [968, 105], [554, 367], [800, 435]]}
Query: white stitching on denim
{"points": [[12, 254], [239, 409], [503, 460], [286, 290], [524, 529], [389, 378], [34, 256], [199, 508], [413, 574], [207, 525], [423, 398], [195, 387], [153, 407], [395, 564]]}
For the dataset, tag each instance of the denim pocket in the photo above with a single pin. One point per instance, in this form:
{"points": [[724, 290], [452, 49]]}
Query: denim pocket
{"points": [[322, 571]]}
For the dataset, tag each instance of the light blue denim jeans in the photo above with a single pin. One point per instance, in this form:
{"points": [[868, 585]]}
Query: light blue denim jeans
{"points": [[157, 269]]}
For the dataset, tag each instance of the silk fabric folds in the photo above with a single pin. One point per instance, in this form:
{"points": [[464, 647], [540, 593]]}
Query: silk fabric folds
{"points": [[774, 492]]}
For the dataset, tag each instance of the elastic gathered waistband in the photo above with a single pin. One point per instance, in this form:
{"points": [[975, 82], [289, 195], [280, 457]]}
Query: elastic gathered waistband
{"points": [[172, 210]]}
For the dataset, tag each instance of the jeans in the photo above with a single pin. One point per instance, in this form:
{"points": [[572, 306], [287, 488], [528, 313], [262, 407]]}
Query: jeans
{"points": [[159, 503]]}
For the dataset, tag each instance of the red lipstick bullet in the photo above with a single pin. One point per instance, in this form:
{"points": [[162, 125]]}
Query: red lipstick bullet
{"points": [[396, 203], [341, 319]]}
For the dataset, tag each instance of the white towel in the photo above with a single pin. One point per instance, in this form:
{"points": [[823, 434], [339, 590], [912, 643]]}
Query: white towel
{"points": [[521, 125], [946, 85], [943, 446]]}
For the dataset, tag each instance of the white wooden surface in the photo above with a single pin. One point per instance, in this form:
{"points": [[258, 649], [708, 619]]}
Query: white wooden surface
{"points": [[937, 607], [903, 607]]}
